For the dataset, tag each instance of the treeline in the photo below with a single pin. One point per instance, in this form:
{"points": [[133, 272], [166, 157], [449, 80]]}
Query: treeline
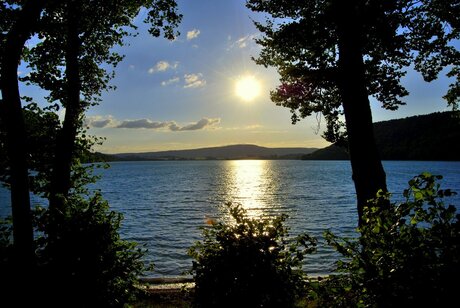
{"points": [[426, 137], [95, 157], [237, 151]]}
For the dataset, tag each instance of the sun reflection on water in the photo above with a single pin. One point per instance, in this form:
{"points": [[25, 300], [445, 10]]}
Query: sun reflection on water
{"points": [[250, 184]]}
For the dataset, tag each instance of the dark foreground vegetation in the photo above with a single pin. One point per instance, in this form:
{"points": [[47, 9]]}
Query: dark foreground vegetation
{"points": [[81, 261], [407, 255], [249, 262]]}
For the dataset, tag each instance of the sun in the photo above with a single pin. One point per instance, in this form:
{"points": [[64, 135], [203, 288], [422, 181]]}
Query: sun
{"points": [[247, 88]]}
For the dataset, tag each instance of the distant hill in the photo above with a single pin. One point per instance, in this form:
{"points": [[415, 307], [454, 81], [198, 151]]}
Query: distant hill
{"points": [[331, 152], [239, 151], [434, 136]]}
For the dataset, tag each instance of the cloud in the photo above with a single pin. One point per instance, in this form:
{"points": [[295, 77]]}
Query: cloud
{"points": [[100, 122], [170, 81], [144, 123], [201, 124], [242, 42], [109, 121], [192, 34], [194, 80], [162, 66]]}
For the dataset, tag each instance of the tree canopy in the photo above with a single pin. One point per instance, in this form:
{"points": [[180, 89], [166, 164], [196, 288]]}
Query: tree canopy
{"points": [[302, 40], [332, 55]]}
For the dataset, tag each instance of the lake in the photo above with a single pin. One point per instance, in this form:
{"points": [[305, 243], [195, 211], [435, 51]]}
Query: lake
{"points": [[165, 202]]}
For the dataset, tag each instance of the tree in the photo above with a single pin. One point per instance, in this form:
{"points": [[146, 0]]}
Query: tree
{"points": [[13, 37], [332, 55], [77, 37], [67, 63]]}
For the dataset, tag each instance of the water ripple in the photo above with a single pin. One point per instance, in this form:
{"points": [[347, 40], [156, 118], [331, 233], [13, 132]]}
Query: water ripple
{"points": [[165, 203]]}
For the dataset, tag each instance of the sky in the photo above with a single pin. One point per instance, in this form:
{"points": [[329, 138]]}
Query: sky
{"points": [[181, 94]]}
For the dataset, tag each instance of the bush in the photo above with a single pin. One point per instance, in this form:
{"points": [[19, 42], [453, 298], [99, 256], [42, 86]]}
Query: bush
{"points": [[6, 248], [407, 254], [85, 261], [249, 263], [81, 261]]}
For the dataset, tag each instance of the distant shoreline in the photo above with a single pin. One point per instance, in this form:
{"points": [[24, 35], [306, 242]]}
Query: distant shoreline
{"points": [[230, 152], [205, 159], [431, 137]]}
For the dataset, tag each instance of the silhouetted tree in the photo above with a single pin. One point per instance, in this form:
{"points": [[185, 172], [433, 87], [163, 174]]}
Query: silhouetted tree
{"points": [[79, 35], [17, 25], [332, 55], [76, 38]]}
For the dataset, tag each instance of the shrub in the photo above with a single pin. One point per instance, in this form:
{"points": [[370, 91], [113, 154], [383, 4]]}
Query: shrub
{"points": [[81, 261], [6, 248], [407, 254], [249, 263], [84, 260]]}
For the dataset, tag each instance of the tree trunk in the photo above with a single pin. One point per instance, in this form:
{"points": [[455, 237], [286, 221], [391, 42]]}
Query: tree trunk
{"points": [[61, 180], [15, 128], [368, 174]]}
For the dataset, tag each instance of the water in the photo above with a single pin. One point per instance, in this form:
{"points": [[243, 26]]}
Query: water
{"points": [[165, 203]]}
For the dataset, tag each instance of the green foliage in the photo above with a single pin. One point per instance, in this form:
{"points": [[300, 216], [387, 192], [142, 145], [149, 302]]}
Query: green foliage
{"points": [[302, 40], [83, 258], [426, 137], [42, 129], [407, 254], [41, 125], [6, 243], [80, 256], [431, 137], [101, 26], [249, 263]]}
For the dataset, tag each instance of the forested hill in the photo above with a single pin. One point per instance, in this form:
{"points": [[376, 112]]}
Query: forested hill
{"points": [[434, 136], [239, 151]]}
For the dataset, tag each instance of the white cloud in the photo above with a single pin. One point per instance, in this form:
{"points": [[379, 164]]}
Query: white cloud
{"points": [[162, 66], [170, 81], [100, 121], [144, 123], [192, 34], [242, 42], [194, 80], [201, 124], [109, 121]]}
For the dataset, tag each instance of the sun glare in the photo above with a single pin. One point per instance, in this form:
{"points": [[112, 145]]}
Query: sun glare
{"points": [[247, 88]]}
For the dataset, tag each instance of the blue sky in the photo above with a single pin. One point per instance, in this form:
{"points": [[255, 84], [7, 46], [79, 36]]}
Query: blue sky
{"points": [[180, 94]]}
